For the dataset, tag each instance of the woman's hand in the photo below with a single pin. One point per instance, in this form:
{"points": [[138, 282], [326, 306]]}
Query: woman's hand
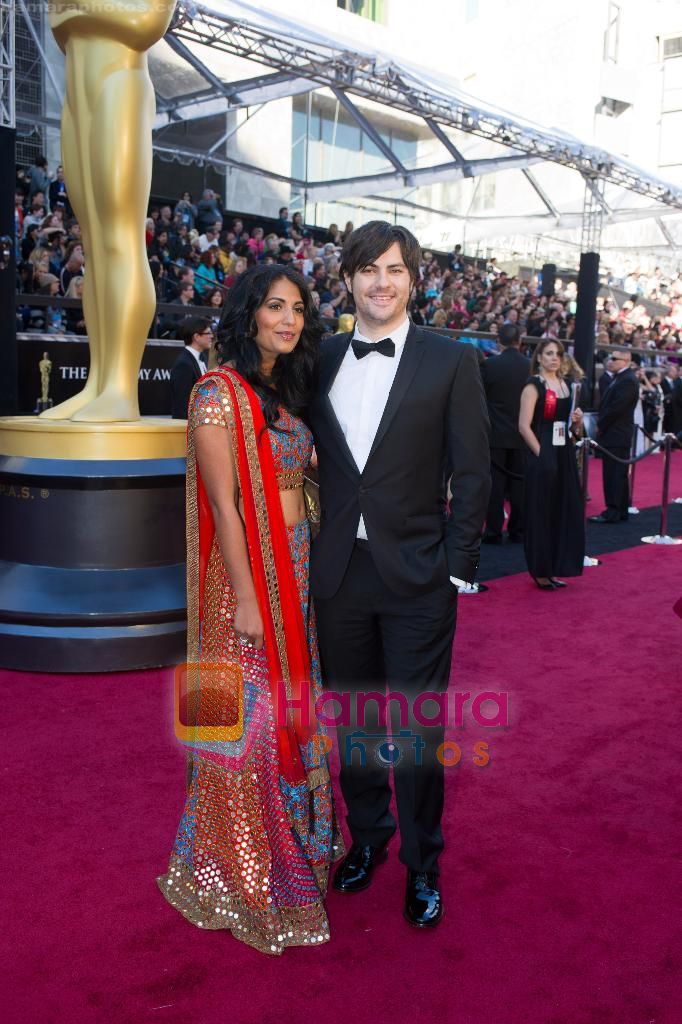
{"points": [[248, 622], [313, 459]]}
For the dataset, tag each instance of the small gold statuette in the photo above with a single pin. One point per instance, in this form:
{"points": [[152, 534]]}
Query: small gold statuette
{"points": [[346, 323], [45, 367]]}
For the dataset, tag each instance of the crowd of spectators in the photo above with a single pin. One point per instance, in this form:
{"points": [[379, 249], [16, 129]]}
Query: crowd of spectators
{"points": [[196, 252], [646, 283]]}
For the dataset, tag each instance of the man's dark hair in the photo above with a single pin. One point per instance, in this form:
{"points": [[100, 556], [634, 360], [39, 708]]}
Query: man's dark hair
{"points": [[509, 334], [71, 247], [294, 375], [40, 161], [364, 245], [191, 325], [283, 209]]}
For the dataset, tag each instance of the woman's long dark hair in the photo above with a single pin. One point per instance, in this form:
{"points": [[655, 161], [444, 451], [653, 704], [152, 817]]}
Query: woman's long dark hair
{"points": [[294, 375]]}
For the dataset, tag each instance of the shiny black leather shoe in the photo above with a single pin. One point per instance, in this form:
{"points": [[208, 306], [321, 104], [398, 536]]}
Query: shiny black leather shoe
{"points": [[423, 901], [354, 873], [558, 584], [601, 519]]}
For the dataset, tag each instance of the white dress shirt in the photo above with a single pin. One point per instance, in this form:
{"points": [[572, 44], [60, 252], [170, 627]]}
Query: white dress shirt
{"points": [[359, 395]]}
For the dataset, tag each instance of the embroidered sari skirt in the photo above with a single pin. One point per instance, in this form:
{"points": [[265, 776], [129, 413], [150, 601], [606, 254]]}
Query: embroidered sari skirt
{"points": [[252, 853]]}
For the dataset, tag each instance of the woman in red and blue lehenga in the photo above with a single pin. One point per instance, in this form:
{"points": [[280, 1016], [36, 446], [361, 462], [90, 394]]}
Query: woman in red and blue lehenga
{"points": [[258, 833]]}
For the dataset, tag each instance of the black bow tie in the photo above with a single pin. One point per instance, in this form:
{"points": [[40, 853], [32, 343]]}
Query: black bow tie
{"points": [[362, 348]]}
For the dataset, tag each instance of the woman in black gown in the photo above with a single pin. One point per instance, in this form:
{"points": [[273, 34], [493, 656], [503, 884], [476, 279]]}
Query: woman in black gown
{"points": [[554, 532]]}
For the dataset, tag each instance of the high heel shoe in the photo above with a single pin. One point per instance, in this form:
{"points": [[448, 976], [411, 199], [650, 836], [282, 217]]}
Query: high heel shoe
{"points": [[557, 584], [543, 586]]}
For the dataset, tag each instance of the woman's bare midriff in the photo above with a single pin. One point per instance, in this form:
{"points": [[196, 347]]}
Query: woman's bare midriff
{"points": [[293, 506]]}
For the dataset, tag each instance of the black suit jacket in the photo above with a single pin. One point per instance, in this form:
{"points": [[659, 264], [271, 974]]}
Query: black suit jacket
{"points": [[504, 377], [604, 383], [615, 420], [184, 375], [434, 428], [672, 404]]}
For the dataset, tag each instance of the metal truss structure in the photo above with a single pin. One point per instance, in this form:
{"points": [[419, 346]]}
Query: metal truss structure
{"points": [[303, 60], [594, 208], [299, 59], [7, 65]]}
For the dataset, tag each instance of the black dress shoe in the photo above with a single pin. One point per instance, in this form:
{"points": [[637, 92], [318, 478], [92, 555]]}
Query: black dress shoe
{"points": [[491, 538], [600, 519], [557, 583], [423, 901], [354, 873]]}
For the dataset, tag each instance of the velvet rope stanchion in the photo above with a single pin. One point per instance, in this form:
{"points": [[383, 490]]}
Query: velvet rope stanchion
{"points": [[662, 536], [588, 561], [632, 508]]}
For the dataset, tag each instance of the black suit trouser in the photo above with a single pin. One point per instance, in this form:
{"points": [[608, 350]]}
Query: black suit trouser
{"points": [[616, 484], [513, 461], [374, 640]]}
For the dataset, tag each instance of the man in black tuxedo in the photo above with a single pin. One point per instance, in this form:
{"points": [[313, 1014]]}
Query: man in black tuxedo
{"points": [[615, 424], [672, 399], [605, 380], [400, 414], [197, 334], [504, 377]]}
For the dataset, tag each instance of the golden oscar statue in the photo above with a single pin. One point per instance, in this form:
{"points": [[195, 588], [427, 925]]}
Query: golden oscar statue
{"points": [[90, 581], [107, 157]]}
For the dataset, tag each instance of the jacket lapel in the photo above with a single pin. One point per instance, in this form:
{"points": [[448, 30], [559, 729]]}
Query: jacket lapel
{"points": [[191, 361], [338, 347], [409, 361]]}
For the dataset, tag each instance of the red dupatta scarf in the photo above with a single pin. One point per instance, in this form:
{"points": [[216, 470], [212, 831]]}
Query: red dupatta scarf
{"points": [[286, 646]]}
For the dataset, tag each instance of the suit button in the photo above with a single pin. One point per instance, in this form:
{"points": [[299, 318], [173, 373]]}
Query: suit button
{"points": [[362, 490]]}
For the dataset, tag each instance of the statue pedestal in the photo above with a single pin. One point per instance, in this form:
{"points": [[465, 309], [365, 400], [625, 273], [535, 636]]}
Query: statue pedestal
{"points": [[43, 404], [92, 546]]}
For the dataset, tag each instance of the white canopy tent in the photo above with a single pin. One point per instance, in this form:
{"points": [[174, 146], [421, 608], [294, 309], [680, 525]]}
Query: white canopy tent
{"points": [[222, 56], [282, 57]]}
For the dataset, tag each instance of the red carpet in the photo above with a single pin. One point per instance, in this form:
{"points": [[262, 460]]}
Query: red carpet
{"points": [[559, 874], [648, 482]]}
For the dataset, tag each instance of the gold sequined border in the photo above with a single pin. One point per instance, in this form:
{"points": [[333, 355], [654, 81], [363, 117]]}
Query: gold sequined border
{"points": [[269, 931], [290, 479], [256, 481]]}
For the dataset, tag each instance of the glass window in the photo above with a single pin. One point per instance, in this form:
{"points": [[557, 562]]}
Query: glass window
{"points": [[671, 139], [611, 36], [372, 9]]}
